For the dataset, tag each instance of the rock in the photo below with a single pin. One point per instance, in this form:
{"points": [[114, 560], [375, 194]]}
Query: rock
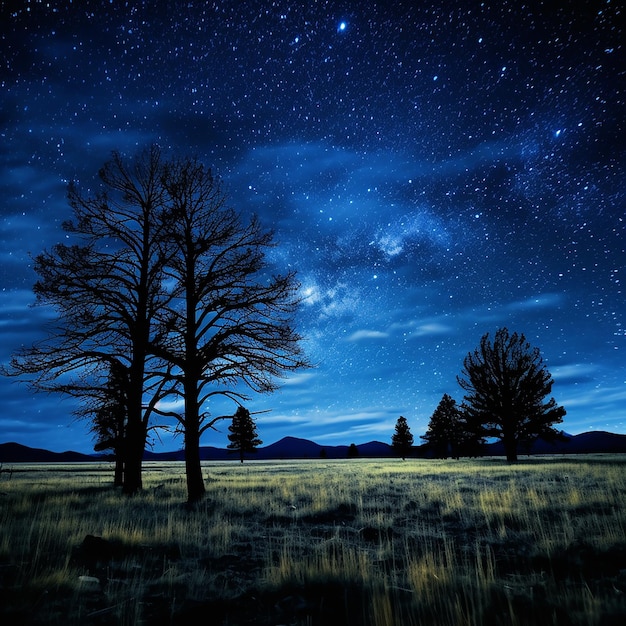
{"points": [[376, 535], [89, 583], [96, 551], [95, 554]]}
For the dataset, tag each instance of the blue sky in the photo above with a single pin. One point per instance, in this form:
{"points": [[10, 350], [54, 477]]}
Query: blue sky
{"points": [[432, 172]]}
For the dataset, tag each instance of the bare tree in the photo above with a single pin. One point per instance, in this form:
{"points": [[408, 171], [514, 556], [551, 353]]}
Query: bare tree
{"points": [[229, 321], [506, 382], [106, 290], [171, 289]]}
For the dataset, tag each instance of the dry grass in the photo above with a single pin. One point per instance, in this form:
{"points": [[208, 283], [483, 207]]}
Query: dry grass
{"points": [[350, 542]]}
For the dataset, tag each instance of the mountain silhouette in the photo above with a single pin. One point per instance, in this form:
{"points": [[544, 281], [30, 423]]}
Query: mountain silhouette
{"points": [[17, 453], [296, 448]]}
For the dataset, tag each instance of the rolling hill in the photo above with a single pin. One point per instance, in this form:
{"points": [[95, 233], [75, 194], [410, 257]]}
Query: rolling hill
{"points": [[17, 453], [296, 448]]}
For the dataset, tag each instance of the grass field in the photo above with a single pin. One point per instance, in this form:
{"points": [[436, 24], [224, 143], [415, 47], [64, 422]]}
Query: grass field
{"points": [[319, 542]]}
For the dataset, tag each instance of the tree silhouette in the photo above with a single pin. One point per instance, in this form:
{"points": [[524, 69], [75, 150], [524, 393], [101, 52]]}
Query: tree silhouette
{"points": [[445, 429], [108, 420], [506, 383], [243, 437], [169, 286], [353, 451], [106, 290], [229, 321], [402, 439], [470, 436]]}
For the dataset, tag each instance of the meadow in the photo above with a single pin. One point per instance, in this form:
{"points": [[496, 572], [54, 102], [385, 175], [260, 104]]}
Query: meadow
{"points": [[351, 542]]}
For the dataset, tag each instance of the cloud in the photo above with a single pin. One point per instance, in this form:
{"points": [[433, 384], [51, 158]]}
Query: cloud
{"points": [[296, 380], [421, 328], [574, 372], [486, 153], [384, 428], [364, 334], [321, 418], [21, 323], [306, 165], [409, 330], [433, 328], [501, 313], [599, 399], [372, 423], [173, 406], [541, 301], [15, 301]]}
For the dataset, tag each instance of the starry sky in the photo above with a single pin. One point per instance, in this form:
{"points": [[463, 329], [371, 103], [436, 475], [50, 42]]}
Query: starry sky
{"points": [[432, 170]]}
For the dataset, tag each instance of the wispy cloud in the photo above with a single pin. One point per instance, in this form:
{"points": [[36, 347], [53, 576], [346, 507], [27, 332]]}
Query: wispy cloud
{"points": [[541, 301], [296, 380], [424, 327], [318, 419], [433, 328], [365, 334], [15, 301], [573, 372], [598, 399]]}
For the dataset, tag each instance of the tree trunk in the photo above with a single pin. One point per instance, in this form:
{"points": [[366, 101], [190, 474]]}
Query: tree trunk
{"points": [[193, 469], [118, 477], [133, 455], [510, 449], [132, 476]]}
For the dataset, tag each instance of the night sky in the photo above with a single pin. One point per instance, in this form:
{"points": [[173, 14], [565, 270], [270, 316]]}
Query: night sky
{"points": [[432, 170]]}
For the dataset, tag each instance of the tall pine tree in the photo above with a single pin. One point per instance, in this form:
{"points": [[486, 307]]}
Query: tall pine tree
{"points": [[402, 439], [444, 429]]}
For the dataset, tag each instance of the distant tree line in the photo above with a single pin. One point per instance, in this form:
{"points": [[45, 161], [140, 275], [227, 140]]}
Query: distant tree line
{"points": [[163, 300], [506, 384]]}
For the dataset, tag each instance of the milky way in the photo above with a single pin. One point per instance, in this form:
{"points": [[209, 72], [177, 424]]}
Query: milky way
{"points": [[433, 173]]}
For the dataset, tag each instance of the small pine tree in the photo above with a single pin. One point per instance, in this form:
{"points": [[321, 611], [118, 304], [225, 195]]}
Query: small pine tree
{"points": [[353, 451], [243, 437], [109, 419], [402, 439]]}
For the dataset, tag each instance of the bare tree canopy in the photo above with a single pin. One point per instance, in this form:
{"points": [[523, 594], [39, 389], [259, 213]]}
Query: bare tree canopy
{"points": [[106, 289], [229, 320], [170, 290]]}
